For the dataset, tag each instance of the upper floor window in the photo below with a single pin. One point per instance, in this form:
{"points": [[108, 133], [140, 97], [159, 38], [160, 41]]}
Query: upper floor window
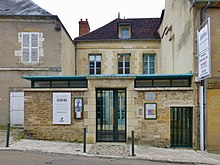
{"points": [[124, 64], [30, 47], [149, 64], [124, 30], [95, 64]]}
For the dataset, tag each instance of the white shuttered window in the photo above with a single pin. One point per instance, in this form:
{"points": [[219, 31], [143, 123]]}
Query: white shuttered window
{"points": [[30, 47]]}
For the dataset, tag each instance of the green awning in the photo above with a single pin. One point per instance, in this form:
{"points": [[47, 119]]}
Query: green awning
{"points": [[53, 78], [137, 76]]}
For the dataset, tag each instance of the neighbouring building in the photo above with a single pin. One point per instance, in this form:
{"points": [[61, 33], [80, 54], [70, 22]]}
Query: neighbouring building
{"points": [[32, 42], [179, 48], [118, 87]]}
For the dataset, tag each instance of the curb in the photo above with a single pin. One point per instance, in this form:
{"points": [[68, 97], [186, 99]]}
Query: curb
{"points": [[105, 156]]}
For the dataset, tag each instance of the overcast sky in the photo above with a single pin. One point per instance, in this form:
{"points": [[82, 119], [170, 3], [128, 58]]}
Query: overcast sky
{"points": [[99, 12]]}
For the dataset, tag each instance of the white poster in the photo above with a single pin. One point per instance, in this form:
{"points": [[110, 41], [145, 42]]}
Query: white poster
{"points": [[61, 108], [204, 55]]}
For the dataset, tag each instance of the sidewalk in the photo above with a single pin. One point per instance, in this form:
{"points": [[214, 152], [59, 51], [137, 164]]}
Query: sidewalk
{"points": [[116, 150]]}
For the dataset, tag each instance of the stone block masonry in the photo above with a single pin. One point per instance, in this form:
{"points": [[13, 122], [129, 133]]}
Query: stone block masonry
{"points": [[38, 118]]}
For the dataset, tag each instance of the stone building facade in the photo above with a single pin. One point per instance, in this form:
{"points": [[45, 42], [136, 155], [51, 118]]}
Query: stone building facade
{"points": [[122, 86], [24, 27]]}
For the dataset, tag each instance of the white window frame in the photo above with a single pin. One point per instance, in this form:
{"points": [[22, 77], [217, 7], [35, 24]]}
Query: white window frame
{"points": [[148, 63], [30, 47], [95, 62], [123, 61]]}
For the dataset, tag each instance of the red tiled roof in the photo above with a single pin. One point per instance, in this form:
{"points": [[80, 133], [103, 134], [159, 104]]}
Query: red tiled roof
{"points": [[142, 28]]}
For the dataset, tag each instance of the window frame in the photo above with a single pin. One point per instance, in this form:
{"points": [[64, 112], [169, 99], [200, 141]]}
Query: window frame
{"points": [[124, 55], [30, 47], [95, 64], [147, 70]]}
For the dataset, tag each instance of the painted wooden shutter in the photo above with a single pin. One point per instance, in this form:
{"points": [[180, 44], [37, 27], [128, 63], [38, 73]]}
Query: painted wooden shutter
{"points": [[17, 108], [35, 47], [25, 47]]}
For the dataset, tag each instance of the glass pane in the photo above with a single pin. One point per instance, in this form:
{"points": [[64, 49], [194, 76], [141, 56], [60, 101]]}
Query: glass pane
{"points": [[98, 65], [124, 33], [152, 71], [91, 64], [145, 58], [120, 58], [60, 84], [78, 84], [120, 64], [91, 71], [127, 70], [127, 58], [105, 119], [152, 64], [98, 58], [151, 58], [91, 58], [127, 64], [180, 82], [143, 83], [161, 83], [120, 71], [41, 84], [98, 71]]}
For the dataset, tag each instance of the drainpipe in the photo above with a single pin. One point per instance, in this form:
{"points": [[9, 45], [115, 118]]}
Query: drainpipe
{"points": [[203, 94]]}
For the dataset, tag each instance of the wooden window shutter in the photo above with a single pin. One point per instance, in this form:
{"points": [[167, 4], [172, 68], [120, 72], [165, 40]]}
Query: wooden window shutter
{"points": [[25, 47], [34, 47]]}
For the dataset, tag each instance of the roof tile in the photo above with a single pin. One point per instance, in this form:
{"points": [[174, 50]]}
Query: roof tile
{"points": [[21, 7], [142, 28]]}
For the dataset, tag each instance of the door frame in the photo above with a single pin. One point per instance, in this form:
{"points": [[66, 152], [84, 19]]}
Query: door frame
{"points": [[115, 92]]}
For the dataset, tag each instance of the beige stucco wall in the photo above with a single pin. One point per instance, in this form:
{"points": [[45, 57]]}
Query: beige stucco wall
{"points": [[177, 38], [11, 68], [67, 54], [10, 45], [110, 50]]}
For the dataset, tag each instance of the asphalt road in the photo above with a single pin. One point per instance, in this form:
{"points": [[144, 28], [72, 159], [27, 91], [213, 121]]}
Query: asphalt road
{"points": [[31, 158]]}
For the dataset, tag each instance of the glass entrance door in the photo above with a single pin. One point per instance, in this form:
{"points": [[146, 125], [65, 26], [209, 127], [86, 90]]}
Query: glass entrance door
{"points": [[110, 115]]}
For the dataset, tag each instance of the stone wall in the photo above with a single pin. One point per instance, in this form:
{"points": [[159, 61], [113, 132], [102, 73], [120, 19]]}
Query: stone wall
{"points": [[157, 132], [38, 118]]}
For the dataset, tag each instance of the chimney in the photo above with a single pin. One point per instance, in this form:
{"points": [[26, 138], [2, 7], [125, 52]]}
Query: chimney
{"points": [[83, 27]]}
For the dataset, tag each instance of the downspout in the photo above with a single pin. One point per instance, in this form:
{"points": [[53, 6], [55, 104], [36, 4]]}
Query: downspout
{"points": [[203, 94]]}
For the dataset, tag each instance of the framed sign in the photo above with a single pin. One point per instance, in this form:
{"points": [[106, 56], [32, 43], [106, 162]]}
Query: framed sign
{"points": [[78, 107], [150, 111], [61, 108]]}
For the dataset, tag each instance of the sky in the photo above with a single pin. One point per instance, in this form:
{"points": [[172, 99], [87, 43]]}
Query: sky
{"points": [[99, 12]]}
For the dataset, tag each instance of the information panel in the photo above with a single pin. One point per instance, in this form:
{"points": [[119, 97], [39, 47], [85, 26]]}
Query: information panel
{"points": [[61, 108], [204, 55]]}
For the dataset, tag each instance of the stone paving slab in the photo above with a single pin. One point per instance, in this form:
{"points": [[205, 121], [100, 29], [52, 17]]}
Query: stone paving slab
{"points": [[121, 150]]}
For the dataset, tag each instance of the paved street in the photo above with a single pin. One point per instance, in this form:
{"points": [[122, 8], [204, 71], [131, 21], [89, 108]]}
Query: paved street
{"points": [[30, 158], [98, 152]]}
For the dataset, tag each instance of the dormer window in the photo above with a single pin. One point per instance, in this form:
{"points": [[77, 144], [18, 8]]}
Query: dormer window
{"points": [[124, 30]]}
